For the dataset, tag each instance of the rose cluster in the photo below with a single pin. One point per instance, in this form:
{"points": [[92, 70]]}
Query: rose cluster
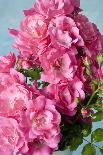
{"points": [[57, 38]]}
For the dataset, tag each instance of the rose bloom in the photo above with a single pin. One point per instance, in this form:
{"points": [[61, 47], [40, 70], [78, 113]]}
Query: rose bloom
{"points": [[14, 93], [32, 36], [57, 66], [11, 137], [90, 35], [52, 8], [66, 94], [7, 62], [64, 32], [41, 121]]}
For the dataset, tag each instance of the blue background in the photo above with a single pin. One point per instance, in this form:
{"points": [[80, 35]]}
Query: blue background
{"points": [[11, 15]]}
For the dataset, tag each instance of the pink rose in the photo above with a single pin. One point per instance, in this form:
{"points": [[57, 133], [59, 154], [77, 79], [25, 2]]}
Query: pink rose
{"points": [[66, 93], [51, 8], [7, 62], [58, 68], [14, 94], [88, 30], [64, 32], [90, 35], [42, 121], [11, 137], [32, 35]]}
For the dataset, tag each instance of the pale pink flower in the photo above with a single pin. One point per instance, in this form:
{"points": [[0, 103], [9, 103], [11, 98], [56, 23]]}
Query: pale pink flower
{"points": [[7, 62], [11, 137], [64, 32], [42, 121], [51, 8], [32, 35]]}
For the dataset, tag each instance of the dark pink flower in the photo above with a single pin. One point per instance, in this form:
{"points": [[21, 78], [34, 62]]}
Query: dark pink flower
{"points": [[38, 148], [85, 112], [90, 35]]}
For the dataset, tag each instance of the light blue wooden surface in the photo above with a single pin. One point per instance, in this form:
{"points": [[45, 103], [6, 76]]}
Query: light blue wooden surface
{"points": [[11, 14]]}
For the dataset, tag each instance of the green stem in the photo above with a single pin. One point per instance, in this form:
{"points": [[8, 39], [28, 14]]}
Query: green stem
{"points": [[93, 95]]}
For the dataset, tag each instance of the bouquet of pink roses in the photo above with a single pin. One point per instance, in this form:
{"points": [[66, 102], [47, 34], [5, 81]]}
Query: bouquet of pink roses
{"points": [[52, 93]]}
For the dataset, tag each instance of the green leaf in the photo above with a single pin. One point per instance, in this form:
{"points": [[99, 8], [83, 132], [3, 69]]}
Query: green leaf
{"points": [[101, 150], [97, 135], [88, 149], [98, 116], [100, 59], [34, 74], [75, 143], [100, 92]]}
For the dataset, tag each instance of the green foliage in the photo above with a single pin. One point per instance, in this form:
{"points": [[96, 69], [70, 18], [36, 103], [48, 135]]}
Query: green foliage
{"points": [[98, 116], [98, 104], [100, 92], [100, 59], [72, 136], [87, 64], [87, 128], [97, 135], [32, 73], [95, 83], [101, 150], [88, 149], [76, 142]]}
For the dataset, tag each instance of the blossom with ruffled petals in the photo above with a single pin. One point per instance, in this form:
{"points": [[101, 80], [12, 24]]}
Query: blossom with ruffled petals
{"points": [[90, 35], [42, 121], [66, 93], [51, 8], [14, 94], [11, 137], [58, 68], [32, 35], [64, 32]]}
